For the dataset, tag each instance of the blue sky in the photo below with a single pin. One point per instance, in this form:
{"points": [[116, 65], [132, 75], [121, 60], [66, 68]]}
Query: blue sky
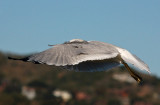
{"points": [[28, 26]]}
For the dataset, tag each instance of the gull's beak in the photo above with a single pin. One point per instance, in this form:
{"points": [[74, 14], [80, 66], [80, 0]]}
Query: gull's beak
{"points": [[132, 73]]}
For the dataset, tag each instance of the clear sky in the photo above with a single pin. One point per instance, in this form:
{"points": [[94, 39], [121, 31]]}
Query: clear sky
{"points": [[28, 26]]}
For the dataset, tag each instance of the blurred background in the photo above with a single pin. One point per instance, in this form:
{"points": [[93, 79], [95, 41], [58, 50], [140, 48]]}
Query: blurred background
{"points": [[27, 27]]}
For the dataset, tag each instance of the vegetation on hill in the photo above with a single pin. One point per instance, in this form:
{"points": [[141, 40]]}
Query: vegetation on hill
{"points": [[19, 79]]}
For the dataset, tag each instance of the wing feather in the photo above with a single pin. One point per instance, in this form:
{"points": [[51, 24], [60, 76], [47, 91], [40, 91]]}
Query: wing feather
{"points": [[132, 59], [92, 66], [73, 54]]}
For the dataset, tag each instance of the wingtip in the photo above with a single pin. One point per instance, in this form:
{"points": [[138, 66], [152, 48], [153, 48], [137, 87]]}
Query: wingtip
{"points": [[13, 58], [22, 59], [147, 68], [149, 71]]}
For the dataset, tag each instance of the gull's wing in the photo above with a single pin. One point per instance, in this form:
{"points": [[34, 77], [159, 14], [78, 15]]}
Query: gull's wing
{"points": [[92, 66], [75, 53], [133, 59]]}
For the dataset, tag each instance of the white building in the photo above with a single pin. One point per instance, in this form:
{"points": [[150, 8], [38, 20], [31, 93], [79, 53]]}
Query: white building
{"points": [[29, 92], [65, 95]]}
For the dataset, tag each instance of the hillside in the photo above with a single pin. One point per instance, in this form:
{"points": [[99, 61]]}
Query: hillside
{"points": [[45, 85]]}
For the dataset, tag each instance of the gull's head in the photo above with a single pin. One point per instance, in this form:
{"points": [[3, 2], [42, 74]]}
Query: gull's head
{"points": [[76, 40]]}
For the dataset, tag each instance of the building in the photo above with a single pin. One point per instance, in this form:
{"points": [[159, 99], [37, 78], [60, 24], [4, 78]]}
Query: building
{"points": [[29, 92]]}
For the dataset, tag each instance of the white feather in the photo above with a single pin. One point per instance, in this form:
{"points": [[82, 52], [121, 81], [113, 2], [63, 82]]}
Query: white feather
{"points": [[132, 59]]}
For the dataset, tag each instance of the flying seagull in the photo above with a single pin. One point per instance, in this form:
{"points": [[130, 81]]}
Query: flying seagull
{"points": [[88, 56]]}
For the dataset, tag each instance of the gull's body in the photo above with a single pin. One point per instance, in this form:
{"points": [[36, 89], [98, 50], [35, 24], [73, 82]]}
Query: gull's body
{"points": [[81, 55]]}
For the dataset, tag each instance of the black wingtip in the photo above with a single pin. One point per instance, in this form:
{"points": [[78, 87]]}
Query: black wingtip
{"points": [[13, 58], [22, 59]]}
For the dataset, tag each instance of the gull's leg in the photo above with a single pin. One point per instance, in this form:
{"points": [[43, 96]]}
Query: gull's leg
{"points": [[133, 74]]}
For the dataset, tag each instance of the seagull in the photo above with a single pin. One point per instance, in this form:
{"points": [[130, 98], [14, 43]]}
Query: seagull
{"points": [[88, 56]]}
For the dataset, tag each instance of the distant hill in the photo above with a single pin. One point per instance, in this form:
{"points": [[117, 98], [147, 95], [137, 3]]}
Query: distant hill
{"points": [[98, 88]]}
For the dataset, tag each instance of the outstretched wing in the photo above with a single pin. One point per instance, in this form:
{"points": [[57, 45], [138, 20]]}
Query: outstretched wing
{"points": [[75, 53], [132, 59]]}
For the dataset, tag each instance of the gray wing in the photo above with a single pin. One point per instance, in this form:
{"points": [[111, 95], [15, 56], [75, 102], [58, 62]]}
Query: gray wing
{"points": [[75, 53], [92, 66]]}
